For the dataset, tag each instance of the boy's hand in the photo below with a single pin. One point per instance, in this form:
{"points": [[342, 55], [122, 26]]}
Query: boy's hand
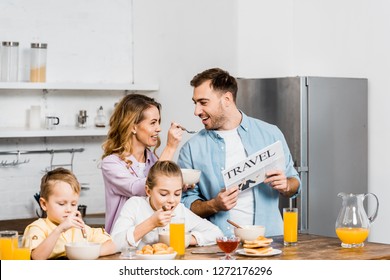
{"points": [[73, 220]]}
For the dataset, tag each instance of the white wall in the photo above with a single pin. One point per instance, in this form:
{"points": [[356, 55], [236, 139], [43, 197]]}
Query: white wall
{"points": [[327, 38], [91, 41], [173, 40]]}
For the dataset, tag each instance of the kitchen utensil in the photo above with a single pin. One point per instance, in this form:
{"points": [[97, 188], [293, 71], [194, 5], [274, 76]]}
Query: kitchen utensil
{"points": [[353, 224], [190, 176], [249, 232], [82, 119], [82, 250], [233, 223], [51, 122], [188, 131]]}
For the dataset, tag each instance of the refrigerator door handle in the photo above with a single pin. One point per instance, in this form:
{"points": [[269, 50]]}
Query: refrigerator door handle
{"points": [[303, 169]]}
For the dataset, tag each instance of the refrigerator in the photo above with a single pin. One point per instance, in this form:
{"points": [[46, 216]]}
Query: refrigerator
{"points": [[324, 121]]}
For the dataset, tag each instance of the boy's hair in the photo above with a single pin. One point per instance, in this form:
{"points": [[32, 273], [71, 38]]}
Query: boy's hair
{"points": [[162, 168], [59, 174], [220, 80]]}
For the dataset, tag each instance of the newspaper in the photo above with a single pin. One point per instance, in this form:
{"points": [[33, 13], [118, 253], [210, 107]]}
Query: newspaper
{"points": [[251, 171]]}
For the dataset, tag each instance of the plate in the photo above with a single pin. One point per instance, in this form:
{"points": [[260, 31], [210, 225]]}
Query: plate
{"points": [[156, 257], [272, 253]]}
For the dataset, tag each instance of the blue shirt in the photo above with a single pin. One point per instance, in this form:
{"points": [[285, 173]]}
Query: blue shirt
{"points": [[206, 151]]}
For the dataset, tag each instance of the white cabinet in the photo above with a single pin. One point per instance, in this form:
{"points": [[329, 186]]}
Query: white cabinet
{"points": [[87, 90]]}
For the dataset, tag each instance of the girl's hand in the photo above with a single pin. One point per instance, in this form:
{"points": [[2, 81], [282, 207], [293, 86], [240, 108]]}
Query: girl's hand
{"points": [[161, 218]]}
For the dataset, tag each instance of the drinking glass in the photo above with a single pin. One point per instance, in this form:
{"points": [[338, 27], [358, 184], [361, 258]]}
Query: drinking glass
{"points": [[228, 245], [8, 243], [177, 235], [290, 224]]}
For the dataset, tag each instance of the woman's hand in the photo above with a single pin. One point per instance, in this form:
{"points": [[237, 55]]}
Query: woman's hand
{"points": [[175, 134]]}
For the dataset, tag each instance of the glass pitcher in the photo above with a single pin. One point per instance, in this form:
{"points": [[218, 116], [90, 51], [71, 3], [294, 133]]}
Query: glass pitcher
{"points": [[353, 224]]}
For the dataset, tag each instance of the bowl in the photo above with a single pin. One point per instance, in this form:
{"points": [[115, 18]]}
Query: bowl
{"points": [[163, 237], [249, 232], [82, 250], [190, 176]]}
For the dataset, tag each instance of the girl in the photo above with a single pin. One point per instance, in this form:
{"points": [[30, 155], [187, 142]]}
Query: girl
{"points": [[142, 218]]}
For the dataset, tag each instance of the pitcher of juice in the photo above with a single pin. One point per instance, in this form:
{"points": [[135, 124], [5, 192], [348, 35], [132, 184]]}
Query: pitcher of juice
{"points": [[353, 224]]}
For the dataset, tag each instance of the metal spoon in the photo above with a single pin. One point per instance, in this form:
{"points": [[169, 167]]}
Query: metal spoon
{"points": [[188, 131]]}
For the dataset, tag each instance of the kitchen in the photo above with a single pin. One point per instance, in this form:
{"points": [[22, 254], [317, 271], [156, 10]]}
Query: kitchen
{"points": [[152, 39]]}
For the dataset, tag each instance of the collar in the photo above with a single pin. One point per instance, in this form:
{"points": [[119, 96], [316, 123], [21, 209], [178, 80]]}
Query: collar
{"points": [[244, 125]]}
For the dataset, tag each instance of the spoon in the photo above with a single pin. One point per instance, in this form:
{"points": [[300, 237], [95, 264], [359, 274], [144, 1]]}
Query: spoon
{"points": [[233, 224], [188, 131]]}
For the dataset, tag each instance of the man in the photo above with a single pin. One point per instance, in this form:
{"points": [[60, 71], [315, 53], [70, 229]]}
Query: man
{"points": [[228, 138]]}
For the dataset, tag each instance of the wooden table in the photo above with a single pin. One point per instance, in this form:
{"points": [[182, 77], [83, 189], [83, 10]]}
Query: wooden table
{"points": [[310, 247]]}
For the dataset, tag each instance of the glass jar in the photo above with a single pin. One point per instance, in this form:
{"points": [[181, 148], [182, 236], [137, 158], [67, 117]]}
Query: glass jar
{"points": [[9, 61], [38, 62]]}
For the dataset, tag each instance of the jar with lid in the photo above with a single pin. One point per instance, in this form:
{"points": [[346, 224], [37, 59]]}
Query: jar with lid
{"points": [[38, 62], [100, 119], [9, 61]]}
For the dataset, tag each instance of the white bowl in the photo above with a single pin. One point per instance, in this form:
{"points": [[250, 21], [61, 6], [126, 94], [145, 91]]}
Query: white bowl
{"points": [[163, 237], [82, 250], [249, 232], [190, 176]]}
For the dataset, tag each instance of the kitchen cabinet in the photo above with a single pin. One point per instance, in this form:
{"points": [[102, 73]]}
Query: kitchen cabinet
{"points": [[63, 88]]}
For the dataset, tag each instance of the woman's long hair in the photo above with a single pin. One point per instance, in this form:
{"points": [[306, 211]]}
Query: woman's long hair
{"points": [[127, 113]]}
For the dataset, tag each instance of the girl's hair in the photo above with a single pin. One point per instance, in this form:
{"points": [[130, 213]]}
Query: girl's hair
{"points": [[49, 180], [128, 113], [162, 168]]}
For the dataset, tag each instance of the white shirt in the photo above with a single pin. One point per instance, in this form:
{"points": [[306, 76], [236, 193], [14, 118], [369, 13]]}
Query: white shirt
{"points": [[137, 209], [243, 212]]}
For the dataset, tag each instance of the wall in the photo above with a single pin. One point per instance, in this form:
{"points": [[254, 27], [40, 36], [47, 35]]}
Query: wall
{"points": [[95, 41], [327, 38]]}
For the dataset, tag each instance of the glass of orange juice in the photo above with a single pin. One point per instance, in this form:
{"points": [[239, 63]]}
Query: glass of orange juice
{"points": [[177, 235], [8, 243], [290, 225]]}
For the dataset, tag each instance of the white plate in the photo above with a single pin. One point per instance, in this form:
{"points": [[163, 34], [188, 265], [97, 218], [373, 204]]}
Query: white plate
{"points": [[156, 257], [272, 253]]}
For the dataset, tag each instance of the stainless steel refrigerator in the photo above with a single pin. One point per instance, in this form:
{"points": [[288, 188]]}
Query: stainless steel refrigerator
{"points": [[324, 121]]}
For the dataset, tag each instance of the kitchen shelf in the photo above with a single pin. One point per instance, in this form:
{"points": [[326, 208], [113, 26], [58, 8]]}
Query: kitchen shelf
{"points": [[56, 132], [80, 86]]}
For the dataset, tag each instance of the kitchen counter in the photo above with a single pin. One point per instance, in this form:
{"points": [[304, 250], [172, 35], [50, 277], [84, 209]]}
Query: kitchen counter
{"points": [[310, 247]]}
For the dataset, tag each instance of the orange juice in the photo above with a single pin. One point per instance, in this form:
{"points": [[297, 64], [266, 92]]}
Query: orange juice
{"points": [[7, 246], [349, 235], [177, 237], [21, 254], [290, 224]]}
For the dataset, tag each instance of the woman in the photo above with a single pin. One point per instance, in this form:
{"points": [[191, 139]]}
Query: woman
{"points": [[127, 158]]}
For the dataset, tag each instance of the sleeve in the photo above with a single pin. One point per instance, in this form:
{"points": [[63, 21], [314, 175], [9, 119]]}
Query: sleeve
{"points": [[290, 170], [98, 235], [203, 230], [33, 236], [123, 231], [119, 178], [185, 161]]}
